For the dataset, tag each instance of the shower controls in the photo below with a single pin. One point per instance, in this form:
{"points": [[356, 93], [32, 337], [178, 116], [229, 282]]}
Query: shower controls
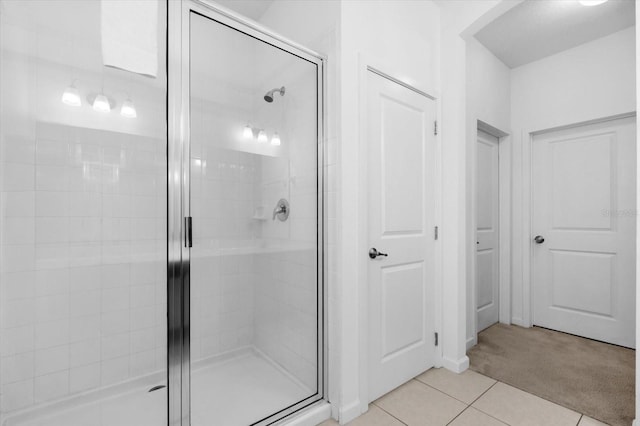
{"points": [[282, 210], [373, 253]]}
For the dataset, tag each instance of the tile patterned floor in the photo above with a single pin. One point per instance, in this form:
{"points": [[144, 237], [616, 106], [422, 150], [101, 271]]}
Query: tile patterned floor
{"points": [[439, 398]]}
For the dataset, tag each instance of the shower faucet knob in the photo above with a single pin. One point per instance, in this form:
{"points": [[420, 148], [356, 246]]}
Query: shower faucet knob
{"points": [[282, 210]]}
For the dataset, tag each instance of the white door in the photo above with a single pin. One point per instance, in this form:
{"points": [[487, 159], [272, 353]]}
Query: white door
{"points": [[487, 236], [401, 225], [584, 208]]}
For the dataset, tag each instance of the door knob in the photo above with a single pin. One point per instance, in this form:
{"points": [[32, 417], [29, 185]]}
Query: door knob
{"points": [[539, 239], [373, 253]]}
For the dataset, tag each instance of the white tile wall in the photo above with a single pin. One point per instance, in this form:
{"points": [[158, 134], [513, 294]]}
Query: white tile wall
{"points": [[83, 269]]}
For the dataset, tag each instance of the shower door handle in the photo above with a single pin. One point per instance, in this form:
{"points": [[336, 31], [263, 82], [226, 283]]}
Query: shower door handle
{"points": [[188, 234]]}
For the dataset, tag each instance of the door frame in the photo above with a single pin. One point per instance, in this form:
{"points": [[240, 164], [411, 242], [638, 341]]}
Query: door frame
{"points": [[504, 229], [178, 201], [527, 219], [366, 65]]}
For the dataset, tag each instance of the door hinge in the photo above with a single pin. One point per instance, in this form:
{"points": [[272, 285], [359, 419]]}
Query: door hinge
{"points": [[188, 231], [435, 233], [436, 338], [435, 127]]}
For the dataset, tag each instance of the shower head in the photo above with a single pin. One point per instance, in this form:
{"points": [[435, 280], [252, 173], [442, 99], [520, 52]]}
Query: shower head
{"points": [[269, 95]]}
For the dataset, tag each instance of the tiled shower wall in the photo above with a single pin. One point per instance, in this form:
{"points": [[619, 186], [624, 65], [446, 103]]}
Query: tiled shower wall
{"points": [[83, 265], [225, 233]]}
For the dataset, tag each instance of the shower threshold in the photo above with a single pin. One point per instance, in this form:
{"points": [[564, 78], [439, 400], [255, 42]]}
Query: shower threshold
{"points": [[236, 391]]}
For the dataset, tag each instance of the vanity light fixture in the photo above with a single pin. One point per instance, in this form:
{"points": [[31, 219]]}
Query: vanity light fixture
{"points": [[262, 136], [71, 96], [592, 2], [275, 140], [101, 103], [247, 132], [128, 109]]}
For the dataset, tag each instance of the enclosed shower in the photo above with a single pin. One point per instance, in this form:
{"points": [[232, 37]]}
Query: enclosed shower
{"points": [[161, 218]]}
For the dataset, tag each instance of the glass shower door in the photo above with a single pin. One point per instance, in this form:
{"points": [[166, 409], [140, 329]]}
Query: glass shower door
{"points": [[255, 267]]}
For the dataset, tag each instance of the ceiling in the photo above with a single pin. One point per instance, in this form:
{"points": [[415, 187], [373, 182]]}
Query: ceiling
{"points": [[253, 9], [536, 29]]}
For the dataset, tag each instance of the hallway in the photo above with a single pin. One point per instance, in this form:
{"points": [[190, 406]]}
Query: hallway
{"points": [[584, 375]]}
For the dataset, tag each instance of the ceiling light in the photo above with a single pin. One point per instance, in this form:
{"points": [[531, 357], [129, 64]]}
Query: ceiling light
{"points": [[275, 140], [128, 109], [592, 2], [247, 132], [101, 103], [262, 136], [71, 96]]}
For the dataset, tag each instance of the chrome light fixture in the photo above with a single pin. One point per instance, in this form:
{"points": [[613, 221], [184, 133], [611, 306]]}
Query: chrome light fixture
{"points": [[128, 109], [71, 96]]}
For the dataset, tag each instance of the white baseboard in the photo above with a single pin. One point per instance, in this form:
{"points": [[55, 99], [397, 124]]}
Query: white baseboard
{"points": [[349, 412], [312, 416], [517, 321], [635, 423], [457, 366], [471, 342]]}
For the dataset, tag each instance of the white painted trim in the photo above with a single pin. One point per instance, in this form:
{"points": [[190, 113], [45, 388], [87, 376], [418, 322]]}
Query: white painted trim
{"points": [[363, 238], [312, 416], [505, 149], [472, 341], [365, 66], [351, 411], [456, 365], [527, 193]]}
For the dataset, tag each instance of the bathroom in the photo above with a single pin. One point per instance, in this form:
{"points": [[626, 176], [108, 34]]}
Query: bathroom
{"points": [[186, 228]]}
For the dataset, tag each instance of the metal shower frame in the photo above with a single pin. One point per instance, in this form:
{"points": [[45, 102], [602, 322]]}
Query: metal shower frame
{"points": [[178, 201]]}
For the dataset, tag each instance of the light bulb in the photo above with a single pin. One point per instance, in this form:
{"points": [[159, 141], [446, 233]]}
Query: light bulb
{"points": [[101, 103], [71, 96], [275, 140], [128, 110], [262, 136], [247, 132], [592, 2]]}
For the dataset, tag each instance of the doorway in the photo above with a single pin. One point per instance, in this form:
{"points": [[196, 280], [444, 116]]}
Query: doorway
{"points": [[401, 222], [583, 230], [488, 231]]}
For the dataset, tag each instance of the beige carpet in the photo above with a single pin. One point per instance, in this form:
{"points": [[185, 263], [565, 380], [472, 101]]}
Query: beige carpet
{"points": [[593, 378]]}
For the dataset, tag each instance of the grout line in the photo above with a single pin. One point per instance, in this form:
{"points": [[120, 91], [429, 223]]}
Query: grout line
{"points": [[451, 396], [458, 415], [442, 392], [580, 419], [488, 389], [490, 415], [385, 411]]}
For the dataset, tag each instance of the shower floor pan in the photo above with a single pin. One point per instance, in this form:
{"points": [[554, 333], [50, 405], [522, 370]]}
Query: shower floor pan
{"points": [[235, 392]]}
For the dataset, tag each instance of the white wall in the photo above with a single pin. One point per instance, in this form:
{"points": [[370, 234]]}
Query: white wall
{"points": [[637, 77], [488, 100], [591, 81], [456, 18]]}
